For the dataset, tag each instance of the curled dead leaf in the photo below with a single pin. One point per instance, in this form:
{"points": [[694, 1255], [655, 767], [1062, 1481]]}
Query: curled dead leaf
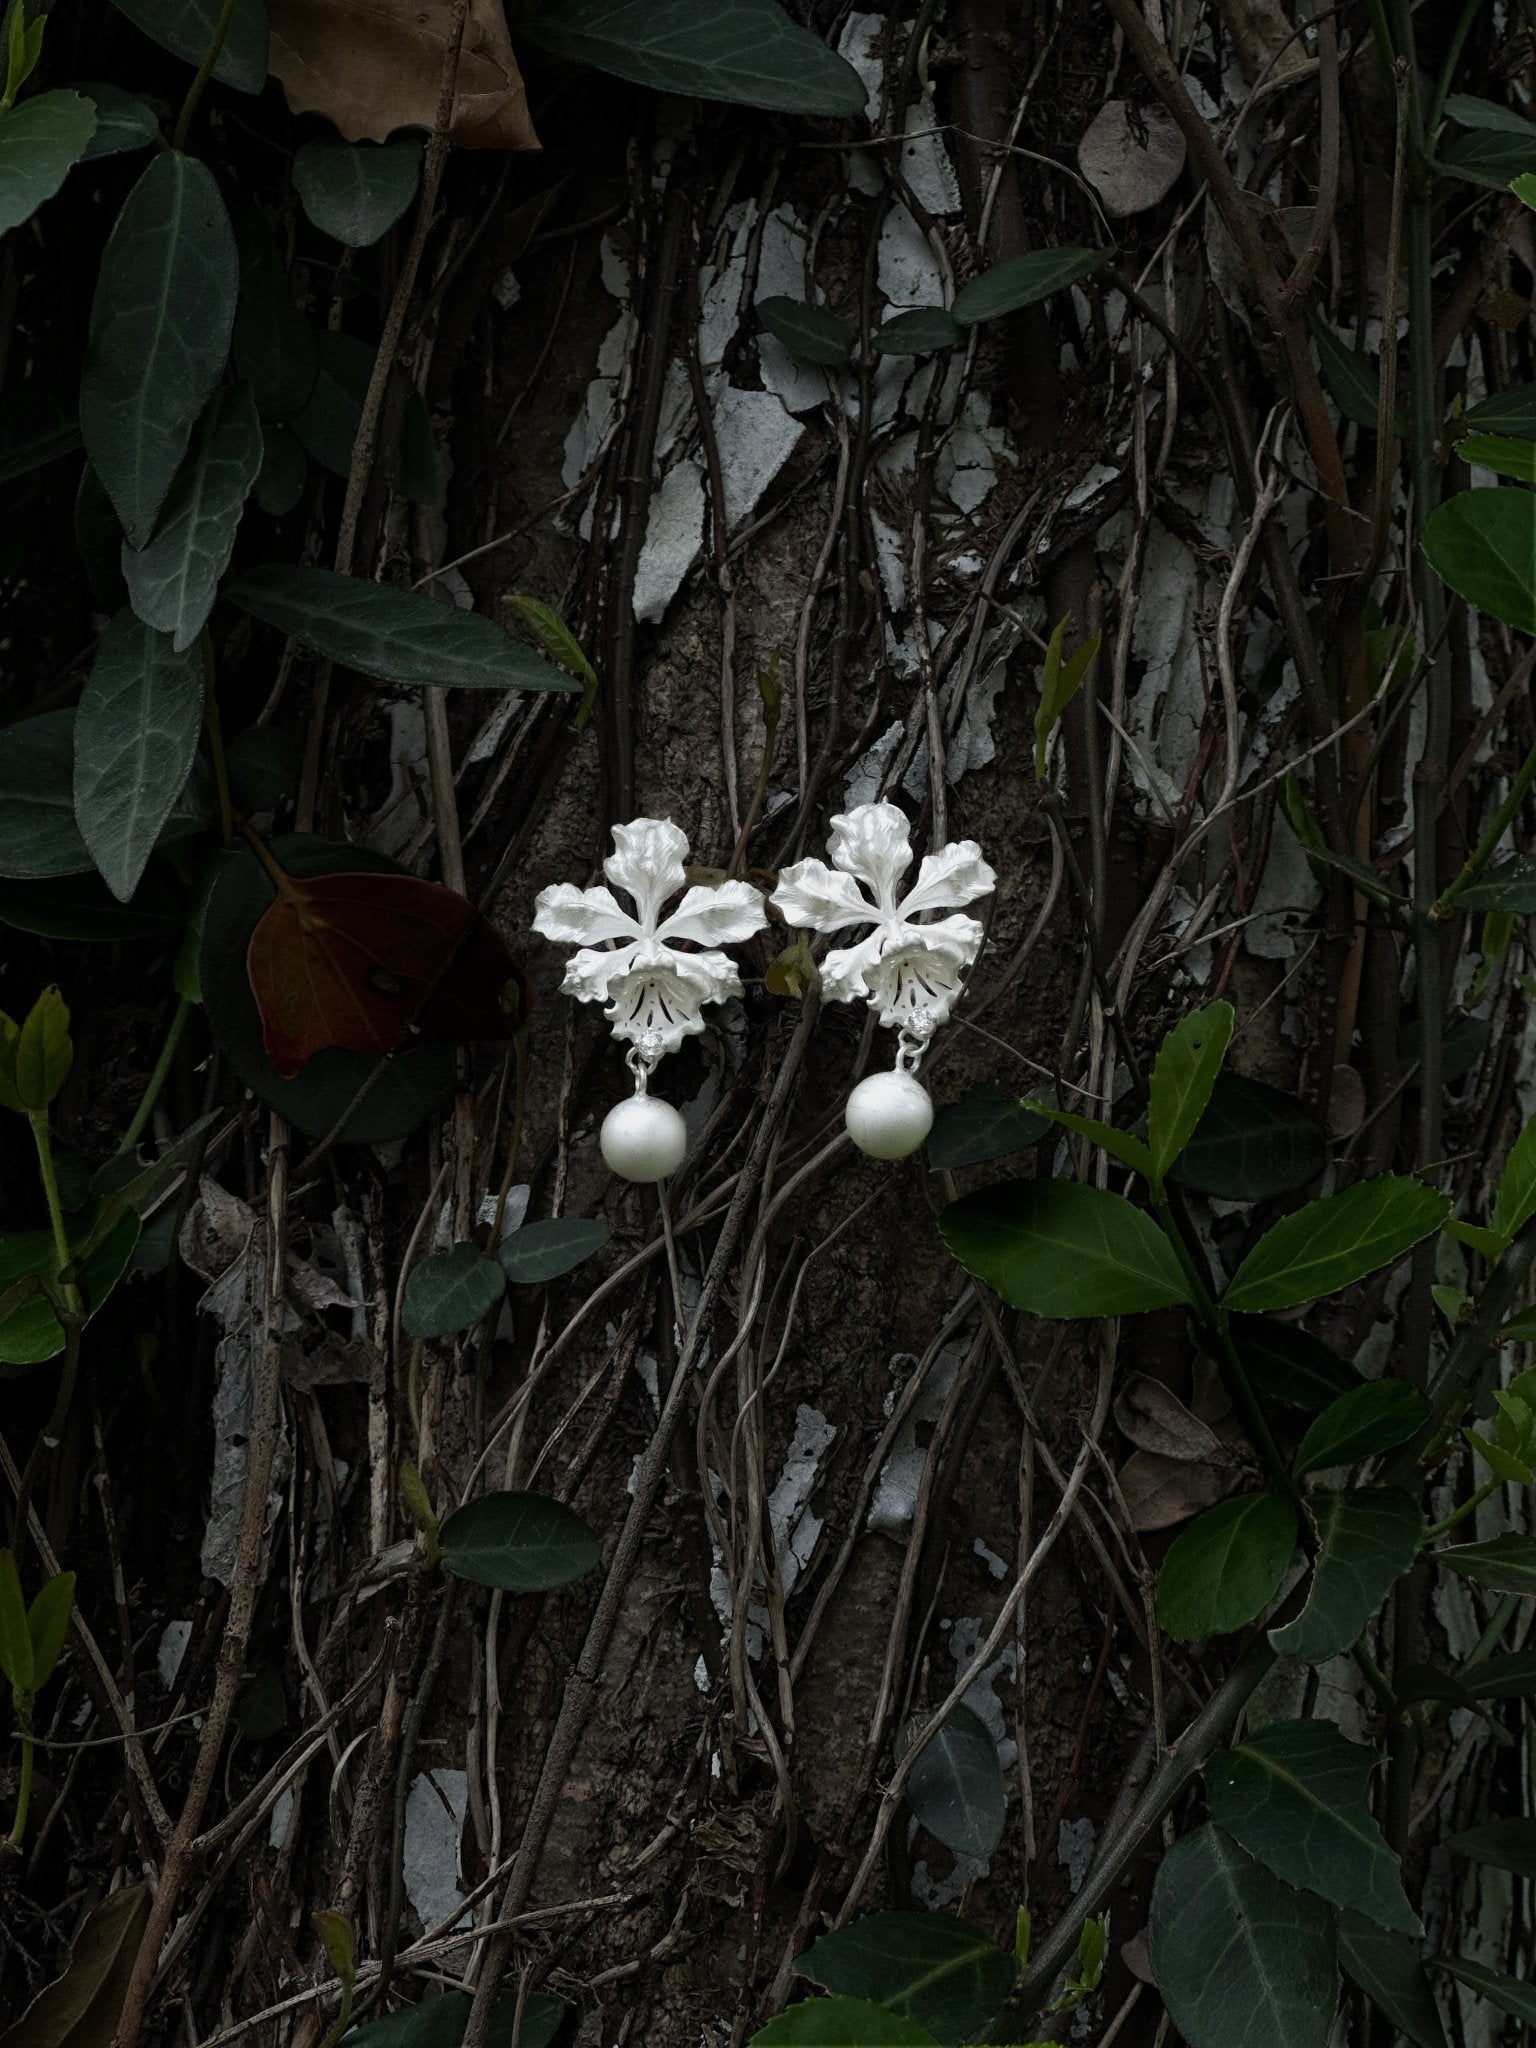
{"points": [[1159, 1491], [1131, 157], [81, 2008], [1182, 1465], [375, 66], [1155, 1419]]}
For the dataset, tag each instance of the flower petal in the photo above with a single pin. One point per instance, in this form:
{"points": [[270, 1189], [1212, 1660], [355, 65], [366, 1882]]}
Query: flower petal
{"points": [[581, 917], [720, 915], [647, 862], [812, 894], [843, 972], [954, 875], [916, 985], [873, 841], [590, 975], [661, 993]]}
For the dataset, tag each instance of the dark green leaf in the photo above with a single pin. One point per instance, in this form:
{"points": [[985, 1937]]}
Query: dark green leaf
{"points": [[1183, 1075], [1023, 281], [930, 1968], [160, 329], [186, 28], [1225, 1568], [1502, 1844], [40, 143], [1296, 1795], [1332, 1243], [1506, 412], [83, 907], [1483, 544], [956, 1786], [1515, 1203], [917, 332], [172, 582], [264, 767], [1491, 157], [328, 423], [1500, 453], [1059, 1249], [812, 334], [451, 1291], [546, 1249], [986, 1125], [440, 2022], [135, 738], [1510, 1994], [1242, 1960], [32, 1333], [48, 1624], [1353, 381], [393, 634], [38, 834], [1253, 1142], [1507, 1564], [356, 191], [1501, 1678], [1366, 1540], [276, 350], [15, 1636], [520, 1542], [402, 1092], [1467, 111], [841, 2023], [747, 52], [1511, 885], [1360, 1423], [1125, 1146], [1388, 1970], [123, 121], [1288, 1365], [280, 483]]}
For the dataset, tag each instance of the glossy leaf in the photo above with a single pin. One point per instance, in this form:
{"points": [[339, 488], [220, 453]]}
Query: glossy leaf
{"points": [[1022, 281], [43, 1052], [1515, 1203], [160, 331], [520, 1542], [1500, 453], [30, 1334], [400, 1093], [135, 740], [327, 424], [83, 907], [1183, 1075], [1242, 1960], [986, 1124], [1510, 1994], [1059, 1249], [394, 634], [173, 580], [1352, 378], [356, 191], [440, 2022], [1501, 1844], [553, 635], [955, 1788], [1122, 1145], [451, 1291], [123, 121], [1492, 157], [746, 52], [280, 481], [917, 332], [545, 1249], [1510, 1676], [186, 28], [928, 1967], [1362, 1422], [375, 963], [841, 2023], [1225, 1568], [1505, 412], [812, 334], [1252, 1143], [1510, 885], [1288, 1365], [1296, 1795], [41, 141], [16, 1656], [276, 351], [38, 834], [1506, 1564], [1388, 1970], [1334, 1242], [1483, 544], [1366, 1540]]}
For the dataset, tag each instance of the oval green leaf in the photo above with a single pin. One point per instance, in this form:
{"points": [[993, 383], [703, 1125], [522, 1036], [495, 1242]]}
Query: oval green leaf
{"points": [[928, 1967], [1510, 1994], [1183, 1075], [40, 143], [1365, 1542], [1505, 412], [1333, 1242], [1500, 453], [521, 1542], [172, 582], [123, 120], [1501, 1844], [546, 1249], [1361, 1423], [987, 1124], [1483, 544], [812, 334], [451, 1291], [276, 350], [135, 740], [841, 2023], [38, 834], [918, 332], [1023, 281], [1252, 1142], [1509, 886], [1289, 1365], [1059, 1249], [356, 191], [31, 1333], [1388, 1970], [956, 1789], [440, 2022], [1225, 1568], [189, 29], [1505, 1564]]}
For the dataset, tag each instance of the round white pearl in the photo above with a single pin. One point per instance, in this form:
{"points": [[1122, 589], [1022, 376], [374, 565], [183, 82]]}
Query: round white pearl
{"points": [[889, 1115], [643, 1139]]}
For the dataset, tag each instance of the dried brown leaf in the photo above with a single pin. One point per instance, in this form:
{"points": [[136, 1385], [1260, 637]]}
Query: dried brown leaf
{"points": [[81, 2008], [1131, 159], [1156, 1420], [1160, 1491], [374, 66]]}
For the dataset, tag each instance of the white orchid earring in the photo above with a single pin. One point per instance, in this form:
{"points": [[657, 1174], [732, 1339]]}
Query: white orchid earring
{"points": [[632, 961], [911, 972]]}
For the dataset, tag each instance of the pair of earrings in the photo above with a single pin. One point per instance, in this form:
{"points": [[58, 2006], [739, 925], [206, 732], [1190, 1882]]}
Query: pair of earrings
{"points": [[639, 963]]}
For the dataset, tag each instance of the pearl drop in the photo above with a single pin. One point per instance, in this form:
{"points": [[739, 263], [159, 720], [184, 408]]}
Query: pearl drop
{"points": [[643, 1139], [889, 1115]]}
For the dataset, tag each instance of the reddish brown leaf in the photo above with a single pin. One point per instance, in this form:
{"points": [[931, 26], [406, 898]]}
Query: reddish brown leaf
{"points": [[373, 66], [349, 960]]}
